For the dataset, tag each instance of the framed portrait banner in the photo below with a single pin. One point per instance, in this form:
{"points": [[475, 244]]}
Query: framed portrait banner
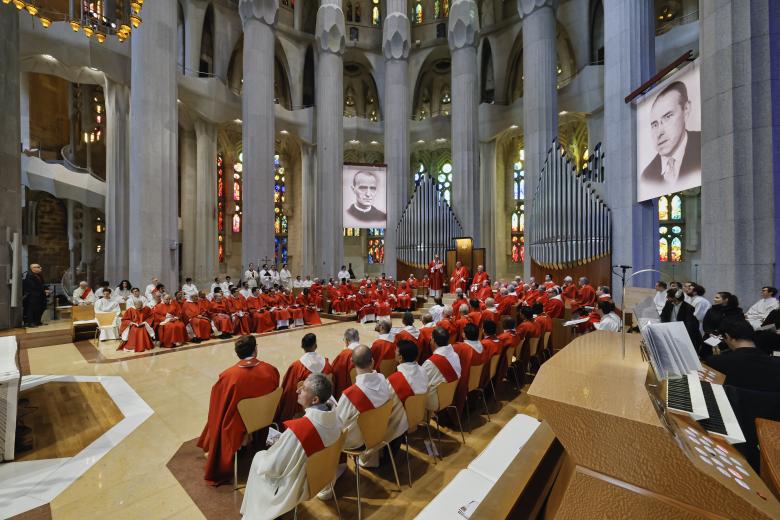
{"points": [[668, 135], [364, 196]]}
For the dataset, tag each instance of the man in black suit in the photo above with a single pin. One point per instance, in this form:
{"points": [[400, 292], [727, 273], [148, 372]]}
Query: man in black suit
{"points": [[364, 186], [34, 294], [677, 309], [677, 165]]}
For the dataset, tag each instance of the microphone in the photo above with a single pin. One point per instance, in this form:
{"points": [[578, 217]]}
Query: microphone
{"points": [[623, 266]]}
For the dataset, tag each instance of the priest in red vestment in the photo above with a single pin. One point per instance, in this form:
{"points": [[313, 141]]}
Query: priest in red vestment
{"points": [[310, 314], [262, 317], [342, 363], [136, 328], [435, 276], [196, 314], [554, 306], [449, 323], [219, 313], [383, 347], [309, 363], [473, 356], [442, 367], [404, 298], [480, 276], [493, 347], [485, 291], [425, 341], [510, 338], [569, 290], [239, 312], [586, 296], [170, 328], [459, 277], [225, 433]]}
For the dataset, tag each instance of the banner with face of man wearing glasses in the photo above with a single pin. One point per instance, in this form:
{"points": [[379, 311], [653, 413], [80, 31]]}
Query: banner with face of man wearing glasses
{"points": [[364, 197]]}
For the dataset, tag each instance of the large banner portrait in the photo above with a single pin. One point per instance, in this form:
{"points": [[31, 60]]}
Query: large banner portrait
{"points": [[668, 141], [364, 190]]}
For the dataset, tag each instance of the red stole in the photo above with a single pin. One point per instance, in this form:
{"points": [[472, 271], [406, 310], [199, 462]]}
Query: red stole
{"points": [[444, 366], [86, 292], [307, 435], [359, 399], [401, 386]]}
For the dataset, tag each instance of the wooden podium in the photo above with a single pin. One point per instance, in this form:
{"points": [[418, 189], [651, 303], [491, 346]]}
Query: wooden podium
{"points": [[626, 457]]}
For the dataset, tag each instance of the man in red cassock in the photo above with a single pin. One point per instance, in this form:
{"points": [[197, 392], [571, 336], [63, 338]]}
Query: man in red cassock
{"points": [[342, 363], [239, 312], [459, 277], [383, 347], [220, 315], [485, 291], [526, 327], [309, 363], [425, 341], [262, 318], [404, 298], [435, 276], [170, 328], [510, 339], [586, 296], [136, 328], [480, 276], [460, 299], [475, 313], [493, 347], [449, 323], [569, 290], [381, 305], [543, 321], [554, 307], [490, 312], [225, 433], [473, 356], [508, 300], [196, 315], [310, 314]]}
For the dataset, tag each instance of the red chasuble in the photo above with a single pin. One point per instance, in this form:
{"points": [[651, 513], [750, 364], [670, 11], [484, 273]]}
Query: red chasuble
{"points": [[435, 276], [458, 278], [586, 297], [451, 326], [195, 315], [479, 278], [554, 308], [342, 364], [306, 434], [382, 349], [425, 342], [569, 292], [225, 430], [172, 332], [401, 386], [220, 315], [288, 404], [138, 338], [469, 359]]}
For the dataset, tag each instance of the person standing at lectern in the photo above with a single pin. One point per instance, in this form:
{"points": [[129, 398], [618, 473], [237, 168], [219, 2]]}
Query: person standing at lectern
{"points": [[678, 158], [436, 276]]}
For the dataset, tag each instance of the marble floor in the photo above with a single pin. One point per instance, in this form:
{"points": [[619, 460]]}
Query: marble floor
{"points": [[131, 479]]}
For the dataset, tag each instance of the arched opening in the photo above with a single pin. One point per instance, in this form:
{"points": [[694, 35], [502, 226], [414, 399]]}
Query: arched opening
{"points": [[361, 96], [281, 85], [206, 67], [487, 84], [308, 78], [597, 33], [432, 94]]}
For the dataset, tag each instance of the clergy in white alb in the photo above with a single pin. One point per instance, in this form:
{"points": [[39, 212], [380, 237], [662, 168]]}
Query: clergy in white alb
{"points": [[758, 312], [108, 304], [277, 479], [285, 277], [189, 288], [251, 275], [151, 288], [83, 295], [442, 367]]}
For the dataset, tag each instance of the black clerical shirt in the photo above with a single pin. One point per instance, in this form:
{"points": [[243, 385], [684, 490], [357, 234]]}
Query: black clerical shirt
{"points": [[748, 368]]}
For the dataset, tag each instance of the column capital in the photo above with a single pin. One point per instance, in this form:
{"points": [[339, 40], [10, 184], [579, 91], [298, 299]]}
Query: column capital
{"points": [[463, 25], [526, 7], [264, 11], [330, 32], [396, 37]]}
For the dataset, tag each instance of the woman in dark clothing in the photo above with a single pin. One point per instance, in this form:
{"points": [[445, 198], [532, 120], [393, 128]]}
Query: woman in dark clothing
{"points": [[725, 306]]}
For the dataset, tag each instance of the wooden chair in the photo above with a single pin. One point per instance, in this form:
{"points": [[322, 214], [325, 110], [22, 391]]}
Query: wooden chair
{"points": [[445, 394], [373, 427], [415, 416], [256, 413], [353, 375], [493, 367], [106, 321], [83, 320], [545, 352], [320, 469], [387, 367], [475, 376], [533, 347], [510, 359]]}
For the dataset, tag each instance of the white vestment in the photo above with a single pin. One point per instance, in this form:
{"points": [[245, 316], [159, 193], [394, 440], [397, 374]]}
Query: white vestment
{"points": [[86, 300], [660, 301], [375, 387], [610, 322], [758, 312], [189, 289], [284, 277], [121, 295], [103, 305], [435, 378], [250, 277], [277, 479]]}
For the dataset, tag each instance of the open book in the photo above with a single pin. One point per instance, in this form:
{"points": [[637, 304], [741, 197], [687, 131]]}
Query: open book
{"points": [[670, 349]]}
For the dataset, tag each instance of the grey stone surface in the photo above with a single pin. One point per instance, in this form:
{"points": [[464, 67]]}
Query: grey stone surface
{"points": [[188, 166], [206, 201], [10, 146], [329, 84], [153, 236], [492, 209], [395, 47], [738, 210], [462, 36], [308, 217], [257, 233], [540, 95], [117, 210]]}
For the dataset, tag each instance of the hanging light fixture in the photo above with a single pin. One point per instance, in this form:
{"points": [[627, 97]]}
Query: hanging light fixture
{"points": [[75, 25], [101, 37], [45, 22], [19, 4], [135, 7], [6, 2], [88, 31], [135, 20], [32, 9]]}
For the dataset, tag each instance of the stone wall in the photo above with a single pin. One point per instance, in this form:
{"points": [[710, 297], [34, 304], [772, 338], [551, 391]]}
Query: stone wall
{"points": [[49, 245]]}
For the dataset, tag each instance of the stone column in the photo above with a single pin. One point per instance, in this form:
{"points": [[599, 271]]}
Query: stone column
{"points": [[492, 205], [153, 236], [308, 217], [206, 202], [330, 36], [462, 36], [188, 153], [24, 111], [87, 245], [193, 33], [298, 15], [395, 46], [540, 95], [738, 42], [629, 61], [257, 233], [116, 252], [11, 191]]}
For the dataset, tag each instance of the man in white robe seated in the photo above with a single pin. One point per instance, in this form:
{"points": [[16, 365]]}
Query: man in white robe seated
{"points": [[277, 479], [83, 295], [442, 367], [135, 295], [189, 288], [371, 390], [108, 304], [410, 379], [758, 312], [609, 319]]}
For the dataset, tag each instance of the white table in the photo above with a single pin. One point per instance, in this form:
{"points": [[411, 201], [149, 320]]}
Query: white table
{"points": [[497, 456], [9, 396], [466, 489]]}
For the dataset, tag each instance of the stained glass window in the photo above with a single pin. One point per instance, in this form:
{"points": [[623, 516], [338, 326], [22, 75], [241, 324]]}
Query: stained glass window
{"points": [[351, 232], [376, 17], [238, 169], [436, 9], [444, 181], [220, 210], [417, 16], [517, 233], [376, 245], [280, 218], [445, 7], [671, 229], [420, 173]]}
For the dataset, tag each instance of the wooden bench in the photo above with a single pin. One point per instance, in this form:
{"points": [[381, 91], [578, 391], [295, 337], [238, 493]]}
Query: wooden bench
{"points": [[84, 322]]}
